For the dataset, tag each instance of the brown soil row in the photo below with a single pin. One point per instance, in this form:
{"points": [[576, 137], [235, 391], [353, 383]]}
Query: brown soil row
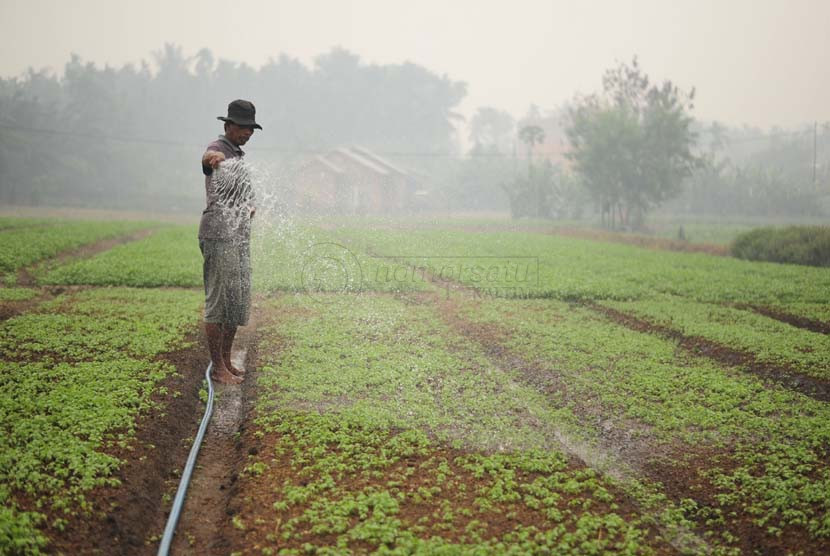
{"points": [[9, 309], [619, 440], [779, 373], [125, 518], [806, 323], [26, 275]]}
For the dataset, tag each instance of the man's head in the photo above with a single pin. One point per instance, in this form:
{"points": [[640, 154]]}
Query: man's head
{"points": [[238, 134], [240, 121]]}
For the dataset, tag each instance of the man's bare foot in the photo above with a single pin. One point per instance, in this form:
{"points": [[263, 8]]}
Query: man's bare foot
{"points": [[224, 376], [234, 370]]}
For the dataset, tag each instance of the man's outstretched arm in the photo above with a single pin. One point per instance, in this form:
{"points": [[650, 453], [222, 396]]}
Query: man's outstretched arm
{"points": [[211, 161]]}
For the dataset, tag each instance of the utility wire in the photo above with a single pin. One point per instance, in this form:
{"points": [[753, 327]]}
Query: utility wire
{"points": [[310, 151], [96, 136]]}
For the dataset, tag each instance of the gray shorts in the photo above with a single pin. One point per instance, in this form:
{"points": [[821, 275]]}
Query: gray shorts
{"points": [[227, 275]]}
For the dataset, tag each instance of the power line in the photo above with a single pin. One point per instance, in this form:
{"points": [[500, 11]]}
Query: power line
{"points": [[272, 148], [762, 137], [312, 151], [98, 136]]}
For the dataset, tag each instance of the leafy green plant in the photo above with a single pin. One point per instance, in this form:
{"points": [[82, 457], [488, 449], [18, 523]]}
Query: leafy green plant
{"points": [[74, 376], [169, 257], [26, 245]]}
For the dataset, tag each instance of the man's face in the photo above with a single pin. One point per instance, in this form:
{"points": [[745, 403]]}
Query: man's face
{"points": [[239, 134]]}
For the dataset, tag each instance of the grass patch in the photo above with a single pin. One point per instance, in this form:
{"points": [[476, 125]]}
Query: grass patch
{"points": [[25, 245], [17, 294]]}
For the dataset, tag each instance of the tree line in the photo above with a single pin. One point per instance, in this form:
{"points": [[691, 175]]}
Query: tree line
{"points": [[130, 136], [634, 146]]}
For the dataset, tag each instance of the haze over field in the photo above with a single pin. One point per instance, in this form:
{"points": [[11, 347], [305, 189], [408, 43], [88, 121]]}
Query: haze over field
{"points": [[388, 108], [761, 63]]}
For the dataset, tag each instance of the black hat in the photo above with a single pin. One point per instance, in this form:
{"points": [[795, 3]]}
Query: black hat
{"points": [[241, 112]]}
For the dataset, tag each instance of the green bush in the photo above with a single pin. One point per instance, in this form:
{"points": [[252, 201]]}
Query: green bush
{"points": [[807, 245]]}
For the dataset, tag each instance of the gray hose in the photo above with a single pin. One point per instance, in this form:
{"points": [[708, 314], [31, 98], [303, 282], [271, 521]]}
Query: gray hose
{"points": [[175, 511]]}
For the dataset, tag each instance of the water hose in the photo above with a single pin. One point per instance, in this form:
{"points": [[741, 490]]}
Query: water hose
{"points": [[176, 510]]}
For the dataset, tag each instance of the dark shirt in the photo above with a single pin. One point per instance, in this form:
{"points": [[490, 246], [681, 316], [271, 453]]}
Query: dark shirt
{"points": [[228, 194]]}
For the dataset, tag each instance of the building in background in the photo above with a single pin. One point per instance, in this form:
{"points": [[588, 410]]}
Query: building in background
{"points": [[355, 180]]}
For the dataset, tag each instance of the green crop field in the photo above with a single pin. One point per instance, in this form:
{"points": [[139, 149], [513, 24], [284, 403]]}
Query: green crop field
{"points": [[35, 240], [450, 389]]}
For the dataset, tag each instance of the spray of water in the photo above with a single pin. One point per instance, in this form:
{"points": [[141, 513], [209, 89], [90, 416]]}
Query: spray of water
{"points": [[290, 249]]}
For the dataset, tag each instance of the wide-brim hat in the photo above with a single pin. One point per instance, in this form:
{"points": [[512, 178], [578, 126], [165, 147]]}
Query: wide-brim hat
{"points": [[241, 112]]}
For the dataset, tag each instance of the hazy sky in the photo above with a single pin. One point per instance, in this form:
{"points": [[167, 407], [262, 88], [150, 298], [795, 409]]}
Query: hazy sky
{"points": [[760, 62]]}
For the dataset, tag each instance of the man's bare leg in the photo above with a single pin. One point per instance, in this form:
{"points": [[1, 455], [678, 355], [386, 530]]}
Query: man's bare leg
{"points": [[228, 334], [220, 372]]}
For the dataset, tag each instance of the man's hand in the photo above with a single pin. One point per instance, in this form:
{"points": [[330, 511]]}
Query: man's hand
{"points": [[212, 159]]}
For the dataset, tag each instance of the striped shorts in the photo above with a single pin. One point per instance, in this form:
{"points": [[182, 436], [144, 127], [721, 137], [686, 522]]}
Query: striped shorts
{"points": [[227, 276]]}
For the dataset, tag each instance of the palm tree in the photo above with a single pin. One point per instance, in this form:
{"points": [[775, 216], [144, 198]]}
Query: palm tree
{"points": [[532, 134]]}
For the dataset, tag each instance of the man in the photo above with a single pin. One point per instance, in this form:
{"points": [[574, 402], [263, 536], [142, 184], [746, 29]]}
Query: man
{"points": [[224, 238]]}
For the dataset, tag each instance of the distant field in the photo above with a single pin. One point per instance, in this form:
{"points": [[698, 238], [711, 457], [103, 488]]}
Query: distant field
{"points": [[30, 241], [453, 389], [168, 257]]}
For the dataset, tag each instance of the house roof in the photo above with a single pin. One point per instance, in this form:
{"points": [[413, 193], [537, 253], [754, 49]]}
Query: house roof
{"points": [[328, 164], [362, 160], [379, 159]]}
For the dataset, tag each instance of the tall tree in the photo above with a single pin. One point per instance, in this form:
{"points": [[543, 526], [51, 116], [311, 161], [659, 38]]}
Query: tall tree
{"points": [[532, 135], [632, 143]]}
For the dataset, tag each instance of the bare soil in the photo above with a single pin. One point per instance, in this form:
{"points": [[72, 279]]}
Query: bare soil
{"points": [[62, 213], [9, 309], [806, 323], [262, 521]]}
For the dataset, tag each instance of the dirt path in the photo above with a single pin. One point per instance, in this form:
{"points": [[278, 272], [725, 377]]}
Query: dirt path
{"points": [[806, 323], [206, 516]]}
